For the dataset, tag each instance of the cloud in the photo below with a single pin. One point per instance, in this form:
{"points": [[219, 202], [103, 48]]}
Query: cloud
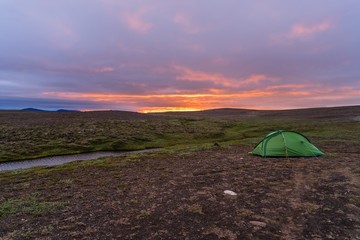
{"points": [[219, 55], [300, 30], [73, 69], [185, 22], [64, 35], [135, 21], [193, 75], [283, 96], [102, 70], [78, 69], [218, 78], [257, 78], [47, 103]]}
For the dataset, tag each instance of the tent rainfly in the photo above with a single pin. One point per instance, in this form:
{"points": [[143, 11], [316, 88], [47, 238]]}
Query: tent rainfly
{"points": [[282, 143]]}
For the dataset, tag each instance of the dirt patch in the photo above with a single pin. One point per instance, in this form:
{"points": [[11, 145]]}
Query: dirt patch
{"points": [[181, 196]]}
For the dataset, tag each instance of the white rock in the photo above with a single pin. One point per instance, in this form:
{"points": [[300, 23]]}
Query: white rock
{"points": [[230, 192]]}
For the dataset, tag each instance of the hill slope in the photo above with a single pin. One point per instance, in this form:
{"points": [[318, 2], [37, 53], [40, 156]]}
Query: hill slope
{"points": [[306, 113]]}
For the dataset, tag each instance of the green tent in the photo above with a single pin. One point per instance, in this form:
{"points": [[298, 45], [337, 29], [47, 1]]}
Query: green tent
{"points": [[282, 143]]}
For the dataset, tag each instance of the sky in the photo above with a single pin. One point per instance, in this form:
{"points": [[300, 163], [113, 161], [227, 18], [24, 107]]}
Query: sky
{"points": [[175, 55]]}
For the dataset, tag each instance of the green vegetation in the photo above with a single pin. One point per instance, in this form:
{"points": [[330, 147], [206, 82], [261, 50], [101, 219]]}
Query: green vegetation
{"points": [[67, 181], [144, 213], [33, 135], [31, 205]]}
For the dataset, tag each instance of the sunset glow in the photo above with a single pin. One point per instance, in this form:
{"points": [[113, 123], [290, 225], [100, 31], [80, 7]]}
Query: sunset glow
{"points": [[178, 56]]}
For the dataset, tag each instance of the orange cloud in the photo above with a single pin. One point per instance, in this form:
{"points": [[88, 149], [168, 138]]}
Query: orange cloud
{"points": [[136, 22], [274, 97], [156, 102]]}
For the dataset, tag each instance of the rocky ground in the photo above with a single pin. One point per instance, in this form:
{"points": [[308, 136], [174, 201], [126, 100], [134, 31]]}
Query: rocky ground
{"points": [[180, 195]]}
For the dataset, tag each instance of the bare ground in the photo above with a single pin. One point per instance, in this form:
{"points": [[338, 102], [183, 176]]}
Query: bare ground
{"points": [[181, 196]]}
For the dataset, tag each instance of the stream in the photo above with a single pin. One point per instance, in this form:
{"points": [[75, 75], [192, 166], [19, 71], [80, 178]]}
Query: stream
{"points": [[57, 160]]}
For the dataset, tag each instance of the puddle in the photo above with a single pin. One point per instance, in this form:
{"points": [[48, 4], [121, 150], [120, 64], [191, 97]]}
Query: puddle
{"points": [[57, 160]]}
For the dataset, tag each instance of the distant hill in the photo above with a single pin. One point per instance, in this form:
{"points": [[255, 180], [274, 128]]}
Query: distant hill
{"points": [[33, 109], [41, 110], [306, 113], [344, 112], [66, 110]]}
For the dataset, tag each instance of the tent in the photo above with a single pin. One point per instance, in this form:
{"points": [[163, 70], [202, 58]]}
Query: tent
{"points": [[282, 143]]}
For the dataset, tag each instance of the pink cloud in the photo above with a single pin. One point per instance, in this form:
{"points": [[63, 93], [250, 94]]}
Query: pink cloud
{"points": [[257, 78], [136, 22], [102, 70], [303, 31], [287, 87], [200, 76], [185, 22], [218, 78]]}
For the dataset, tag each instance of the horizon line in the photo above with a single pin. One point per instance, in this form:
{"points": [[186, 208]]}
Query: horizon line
{"points": [[168, 110]]}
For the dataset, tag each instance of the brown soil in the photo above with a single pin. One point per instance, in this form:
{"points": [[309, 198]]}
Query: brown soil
{"points": [[181, 196]]}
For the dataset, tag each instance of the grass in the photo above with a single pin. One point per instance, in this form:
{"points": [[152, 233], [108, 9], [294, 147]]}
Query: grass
{"points": [[31, 205], [36, 137], [67, 181]]}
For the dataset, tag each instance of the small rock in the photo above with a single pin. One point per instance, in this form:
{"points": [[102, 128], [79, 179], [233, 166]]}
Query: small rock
{"points": [[228, 192]]}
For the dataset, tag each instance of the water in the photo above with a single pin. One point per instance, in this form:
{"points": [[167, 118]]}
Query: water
{"points": [[57, 160]]}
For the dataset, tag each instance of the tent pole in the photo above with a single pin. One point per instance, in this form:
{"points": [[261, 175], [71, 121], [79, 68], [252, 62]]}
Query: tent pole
{"points": [[286, 151]]}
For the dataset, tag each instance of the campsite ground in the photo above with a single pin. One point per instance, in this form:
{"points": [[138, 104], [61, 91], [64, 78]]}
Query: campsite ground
{"points": [[178, 192]]}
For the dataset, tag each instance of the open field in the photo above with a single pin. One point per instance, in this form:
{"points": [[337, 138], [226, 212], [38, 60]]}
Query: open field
{"points": [[177, 193], [25, 135]]}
